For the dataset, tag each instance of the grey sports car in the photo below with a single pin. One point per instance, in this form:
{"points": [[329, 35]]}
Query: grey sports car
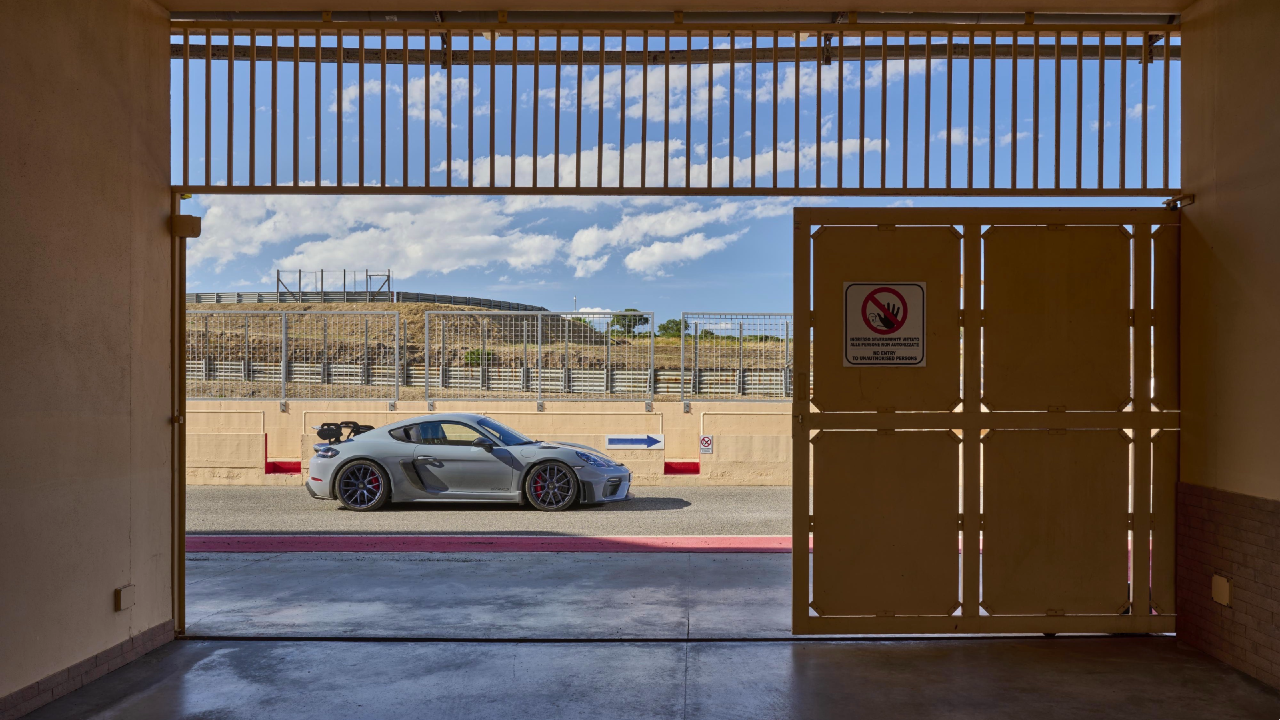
{"points": [[458, 457]]}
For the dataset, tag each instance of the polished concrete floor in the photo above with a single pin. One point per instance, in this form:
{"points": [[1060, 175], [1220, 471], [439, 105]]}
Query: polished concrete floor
{"points": [[671, 596], [987, 679], [602, 637]]}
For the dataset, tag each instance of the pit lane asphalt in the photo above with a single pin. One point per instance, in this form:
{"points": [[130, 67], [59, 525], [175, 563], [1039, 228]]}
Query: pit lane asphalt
{"points": [[655, 510]]}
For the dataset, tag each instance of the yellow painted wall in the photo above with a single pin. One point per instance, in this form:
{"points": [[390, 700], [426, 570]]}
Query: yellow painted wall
{"points": [[1230, 248], [84, 210], [751, 439]]}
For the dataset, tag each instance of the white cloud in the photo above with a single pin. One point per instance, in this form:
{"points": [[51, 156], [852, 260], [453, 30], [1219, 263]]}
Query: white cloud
{"points": [[1135, 112], [636, 229], [408, 234], [351, 95], [595, 310], [652, 259], [1007, 138], [960, 136], [586, 267]]}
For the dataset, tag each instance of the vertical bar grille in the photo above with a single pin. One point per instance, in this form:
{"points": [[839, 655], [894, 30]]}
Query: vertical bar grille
{"points": [[726, 85]]}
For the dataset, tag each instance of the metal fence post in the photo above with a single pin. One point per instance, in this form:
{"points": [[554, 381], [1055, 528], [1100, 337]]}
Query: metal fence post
{"points": [[444, 361], [608, 357], [284, 356], [364, 372], [524, 362], [247, 373], [786, 358], [742, 380], [426, 356], [484, 353], [208, 359], [539, 361], [566, 380], [325, 375], [693, 371], [397, 358], [653, 371], [682, 364]]}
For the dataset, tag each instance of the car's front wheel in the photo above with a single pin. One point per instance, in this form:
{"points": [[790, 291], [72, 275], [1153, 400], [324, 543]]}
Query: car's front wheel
{"points": [[551, 487], [363, 486]]}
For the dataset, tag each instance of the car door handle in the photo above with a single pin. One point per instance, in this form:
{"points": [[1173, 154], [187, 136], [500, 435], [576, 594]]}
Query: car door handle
{"points": [[428, 458]]}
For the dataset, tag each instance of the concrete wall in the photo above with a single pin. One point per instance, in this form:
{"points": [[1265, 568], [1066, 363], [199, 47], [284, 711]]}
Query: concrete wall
{"points": [[84, 207], [1230, 256], [1230, 326], [751, 447]]}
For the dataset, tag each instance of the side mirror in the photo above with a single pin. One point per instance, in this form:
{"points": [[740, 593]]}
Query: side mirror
{"points": [[482, 443]]}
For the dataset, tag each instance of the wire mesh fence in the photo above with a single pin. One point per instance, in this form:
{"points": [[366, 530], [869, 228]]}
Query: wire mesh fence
{"points": [[537, 356], [303, 355], [486, 355], [736, 355]]}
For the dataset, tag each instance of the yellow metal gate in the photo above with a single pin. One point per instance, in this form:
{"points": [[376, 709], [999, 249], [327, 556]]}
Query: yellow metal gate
{"points": [[991, 441]]}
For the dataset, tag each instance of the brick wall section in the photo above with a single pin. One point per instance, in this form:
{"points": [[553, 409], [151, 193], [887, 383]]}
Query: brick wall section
{"points": [[1237, 536], [23, 701]]}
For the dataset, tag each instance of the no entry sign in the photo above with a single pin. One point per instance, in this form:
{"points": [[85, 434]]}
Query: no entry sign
{"points": [[884, 324]]}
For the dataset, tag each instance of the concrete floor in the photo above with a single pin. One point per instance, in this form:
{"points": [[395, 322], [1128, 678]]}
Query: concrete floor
{"points": [[986, 679], [662, 510], [670, 596]]}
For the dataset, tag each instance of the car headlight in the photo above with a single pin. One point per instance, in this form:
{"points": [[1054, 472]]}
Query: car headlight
{"points": [[325, 450], [594, 460]]}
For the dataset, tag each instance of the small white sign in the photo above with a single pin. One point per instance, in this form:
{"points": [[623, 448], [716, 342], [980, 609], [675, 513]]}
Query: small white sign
{"points": [[705, 445], [884, 324], [635, 442]]}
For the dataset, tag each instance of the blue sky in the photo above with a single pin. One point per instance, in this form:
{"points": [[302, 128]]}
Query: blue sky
{"points": [[661, 254]]}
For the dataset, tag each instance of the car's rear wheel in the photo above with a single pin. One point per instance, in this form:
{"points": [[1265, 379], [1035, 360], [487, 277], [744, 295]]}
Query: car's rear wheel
{"points": [[551, 487], [363, 486]]}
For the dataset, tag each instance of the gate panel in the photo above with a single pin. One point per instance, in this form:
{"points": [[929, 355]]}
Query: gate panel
{"points": [[1164, 502], [885, 523], [895, 254], [1064, 301], [1056, 318], [1055, 522], [1167, 296]]}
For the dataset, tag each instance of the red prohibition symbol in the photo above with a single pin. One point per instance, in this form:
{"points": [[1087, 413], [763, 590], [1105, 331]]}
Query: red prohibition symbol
{"points": [[886, 322]]}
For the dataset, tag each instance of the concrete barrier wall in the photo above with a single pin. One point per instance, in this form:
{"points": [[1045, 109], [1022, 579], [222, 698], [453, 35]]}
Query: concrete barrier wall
{"points": [[230, 442]]}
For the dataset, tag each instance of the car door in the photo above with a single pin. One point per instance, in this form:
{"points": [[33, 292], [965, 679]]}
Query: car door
{"points": [[447, 461]]}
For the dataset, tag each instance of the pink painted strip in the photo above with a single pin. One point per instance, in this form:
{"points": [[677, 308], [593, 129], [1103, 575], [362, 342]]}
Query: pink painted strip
{"points": [[489, 543]]}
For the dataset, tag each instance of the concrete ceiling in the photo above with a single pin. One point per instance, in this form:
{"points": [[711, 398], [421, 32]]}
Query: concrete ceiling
{"points": [[1092, 6]]}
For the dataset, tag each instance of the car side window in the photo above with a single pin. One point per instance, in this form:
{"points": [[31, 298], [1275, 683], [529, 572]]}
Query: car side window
{"points": [[408, 433], [439, 432]]}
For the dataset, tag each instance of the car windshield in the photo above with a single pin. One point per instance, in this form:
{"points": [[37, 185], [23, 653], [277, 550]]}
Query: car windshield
{"points": [[504, 433]]}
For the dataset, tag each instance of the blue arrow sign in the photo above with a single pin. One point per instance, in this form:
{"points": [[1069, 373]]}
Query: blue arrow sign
{"points": [[644, 442]]}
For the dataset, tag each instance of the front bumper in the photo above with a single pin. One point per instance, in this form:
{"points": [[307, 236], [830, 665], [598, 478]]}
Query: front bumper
{"points": [[604, 486]]}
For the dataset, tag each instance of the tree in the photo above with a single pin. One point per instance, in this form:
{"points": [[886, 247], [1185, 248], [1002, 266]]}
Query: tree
{"points": [[672, 327], [628, 323]]}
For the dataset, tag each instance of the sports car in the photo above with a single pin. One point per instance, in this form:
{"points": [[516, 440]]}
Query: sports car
{"points": [[458, 457]]}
